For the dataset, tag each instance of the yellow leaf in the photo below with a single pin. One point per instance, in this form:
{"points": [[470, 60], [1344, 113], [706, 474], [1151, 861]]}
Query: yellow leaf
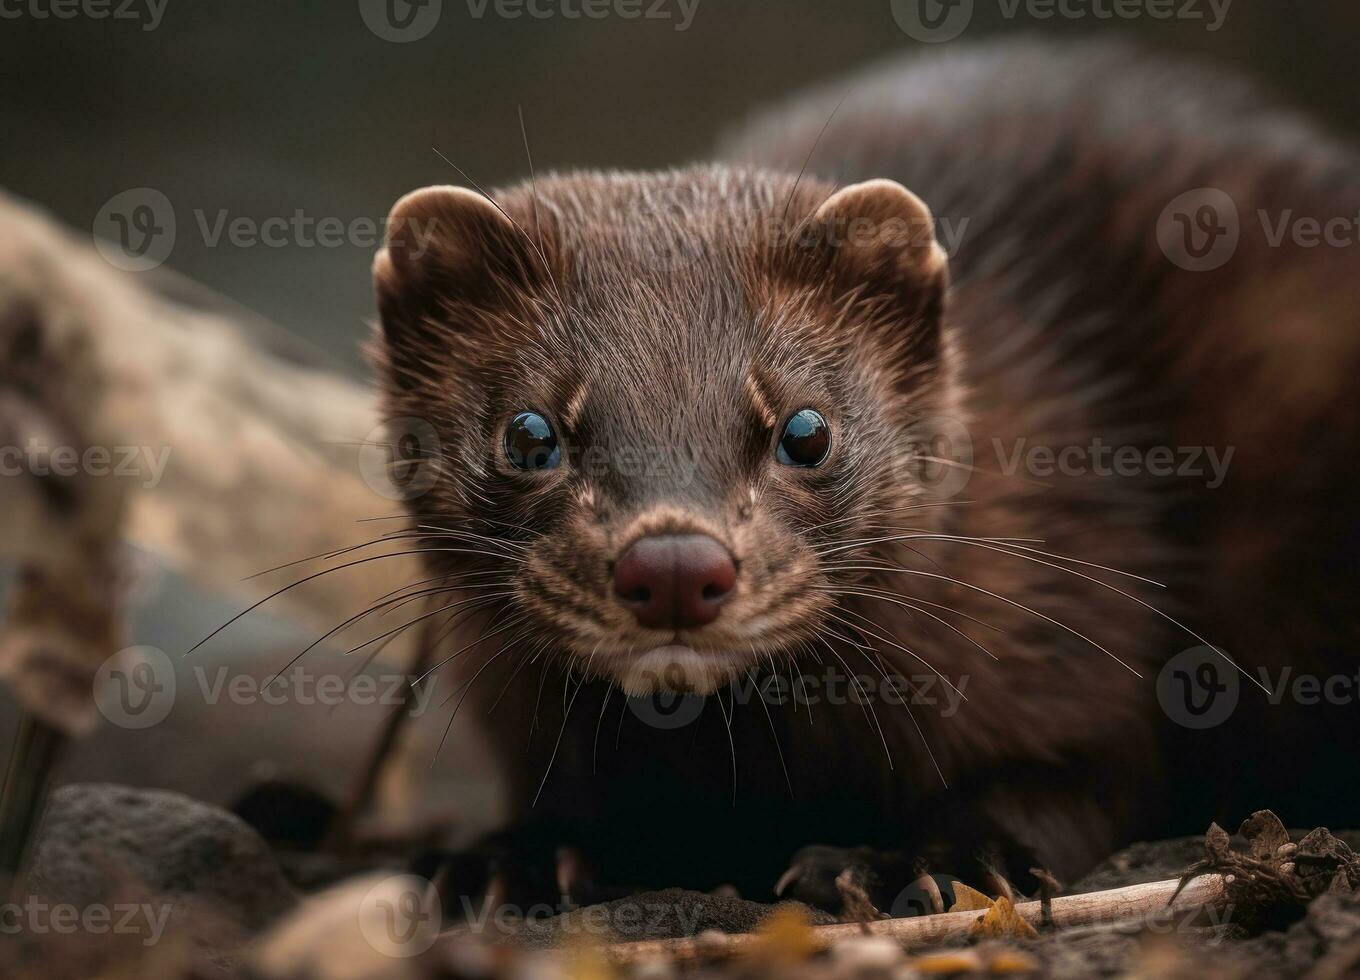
{"points": [[963, 961], [586, 961], [1002, 921], [969, 899], [786, 935], [1011, 961]]}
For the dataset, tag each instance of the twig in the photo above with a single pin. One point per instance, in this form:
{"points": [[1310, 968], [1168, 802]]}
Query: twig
{"points": [[361, 797], [31, 763], [1115, 906]]}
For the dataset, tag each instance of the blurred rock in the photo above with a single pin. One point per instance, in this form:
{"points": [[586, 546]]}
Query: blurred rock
{"points": [[377, 927], [158, 865]]}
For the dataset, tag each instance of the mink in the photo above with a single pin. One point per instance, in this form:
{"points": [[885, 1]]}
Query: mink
{"points": [[876, 494]]}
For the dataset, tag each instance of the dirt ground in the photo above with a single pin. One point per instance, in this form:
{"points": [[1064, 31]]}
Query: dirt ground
{"points": [[193, 891]]}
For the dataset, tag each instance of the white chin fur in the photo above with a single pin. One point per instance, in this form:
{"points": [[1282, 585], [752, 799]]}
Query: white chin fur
{"points": [[675, 668]]}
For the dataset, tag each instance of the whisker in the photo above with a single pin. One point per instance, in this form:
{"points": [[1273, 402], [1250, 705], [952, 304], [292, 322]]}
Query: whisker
{"points": [[513, 674], [328, 634], [566, 715], [889, 640], [316, 575], [986, 545], [402, 600], [1018, 605], [868, 705], [467, 689], [775, 734], [783, 219], [595, 749], [888, 597], [479, 599], [547, 267], [911, 715], [533, 179], [1151, 608], [731, 742], [468, 646], [885, 511], [998, 544]]}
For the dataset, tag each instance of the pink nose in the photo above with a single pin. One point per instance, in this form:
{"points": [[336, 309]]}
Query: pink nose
{"points": [[675, 581]]}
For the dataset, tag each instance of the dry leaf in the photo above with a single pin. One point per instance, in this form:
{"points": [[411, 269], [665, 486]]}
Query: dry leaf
{"points": [[1011, 961], [786, 936], [1265, 833], [587, 961], [960, 961], [1002, 921], [969, 899], [1217, 843]]}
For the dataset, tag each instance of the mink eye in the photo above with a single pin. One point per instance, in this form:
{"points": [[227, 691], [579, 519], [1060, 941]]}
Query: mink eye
{"points": [[530, 443], [805, 441]]}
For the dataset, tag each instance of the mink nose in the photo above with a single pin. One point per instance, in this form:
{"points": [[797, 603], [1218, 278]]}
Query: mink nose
{"points": [[675, 581]]}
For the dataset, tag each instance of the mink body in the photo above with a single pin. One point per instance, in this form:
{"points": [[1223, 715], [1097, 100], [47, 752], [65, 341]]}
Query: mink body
{"points": [[1064, 323]]}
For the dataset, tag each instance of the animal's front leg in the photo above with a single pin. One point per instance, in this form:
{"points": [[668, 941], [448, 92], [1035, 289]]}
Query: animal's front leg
{"points": [[989, 842], [916, 880]]}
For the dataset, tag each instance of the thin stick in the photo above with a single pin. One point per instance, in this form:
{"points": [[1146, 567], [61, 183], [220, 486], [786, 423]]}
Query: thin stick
{"points": [[27, 780], [1108, 907], [341, 835]]}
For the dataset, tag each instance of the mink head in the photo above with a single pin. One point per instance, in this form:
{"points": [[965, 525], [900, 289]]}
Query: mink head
{"points": [[661, 413]]}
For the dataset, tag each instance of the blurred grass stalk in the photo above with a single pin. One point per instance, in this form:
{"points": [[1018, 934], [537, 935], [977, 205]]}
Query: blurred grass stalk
{"points": [[28, 778]]}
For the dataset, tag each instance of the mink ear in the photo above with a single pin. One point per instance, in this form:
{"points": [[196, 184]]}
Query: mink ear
{"points": [[880, 236], [448, 250]]}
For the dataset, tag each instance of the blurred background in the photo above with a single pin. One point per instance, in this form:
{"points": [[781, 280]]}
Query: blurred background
{"points": [[331, 109]]}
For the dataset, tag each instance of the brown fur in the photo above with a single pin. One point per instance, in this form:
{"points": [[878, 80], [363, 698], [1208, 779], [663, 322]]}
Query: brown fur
{"points": [[690, 312]]}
